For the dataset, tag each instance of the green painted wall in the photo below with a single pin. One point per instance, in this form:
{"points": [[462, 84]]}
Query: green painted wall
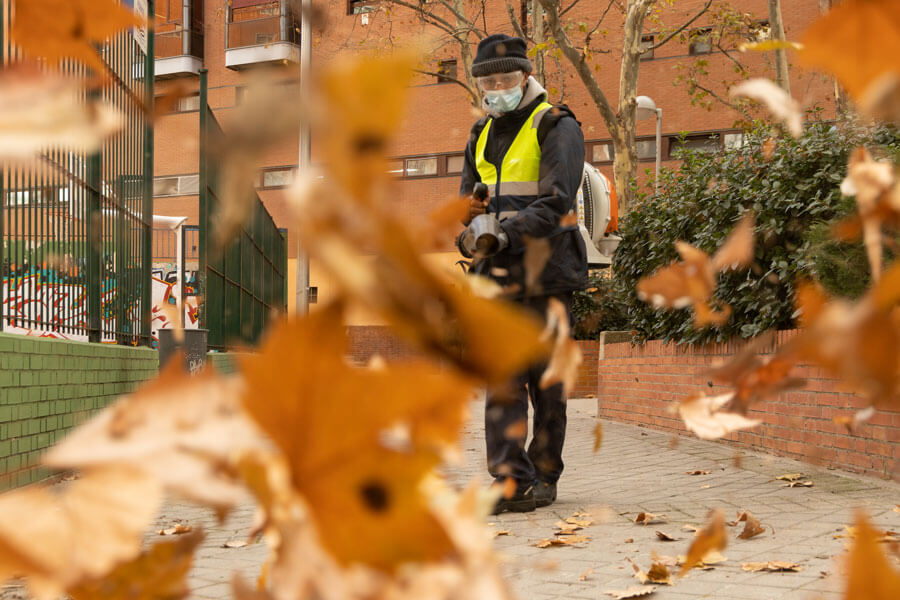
{"points": [[47, 386]]}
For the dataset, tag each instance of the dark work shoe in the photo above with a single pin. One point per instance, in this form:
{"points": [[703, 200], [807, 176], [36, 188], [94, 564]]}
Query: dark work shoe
{"points": [[521, 501], [544, 493]]}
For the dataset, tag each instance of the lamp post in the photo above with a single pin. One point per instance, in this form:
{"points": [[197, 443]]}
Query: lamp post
{"points": [[646, 108], [301, 305]]}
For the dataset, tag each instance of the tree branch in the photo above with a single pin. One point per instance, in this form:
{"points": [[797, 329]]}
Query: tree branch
{"points": [[517, 27], [717, 97], [683, 27], [587, 38], [464, 85], [460, 17], [568, 8], [433, 19]]}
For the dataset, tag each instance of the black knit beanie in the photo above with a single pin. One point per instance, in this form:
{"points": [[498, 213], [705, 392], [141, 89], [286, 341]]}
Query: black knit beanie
{"points": [[500, 53]]}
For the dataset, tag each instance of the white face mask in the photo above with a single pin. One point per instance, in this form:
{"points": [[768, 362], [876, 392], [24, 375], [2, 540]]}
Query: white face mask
{"points": [[504, 101]]}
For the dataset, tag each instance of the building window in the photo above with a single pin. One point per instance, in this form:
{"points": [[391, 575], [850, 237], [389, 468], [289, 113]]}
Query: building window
{"points": [[357, 7], [701, 41], [455, 164], [759, 31], [421, 167], [646, 149], [188, 103], [695, 143], [601, 153], [647, 42], [312, 294], [395, 168], [165, 186], [278, 178], [446, 71], [734, 140]]}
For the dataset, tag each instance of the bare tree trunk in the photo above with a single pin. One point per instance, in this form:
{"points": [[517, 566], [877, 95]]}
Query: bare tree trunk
{"points": [[782, 75], [463, 28], [537, 19]]}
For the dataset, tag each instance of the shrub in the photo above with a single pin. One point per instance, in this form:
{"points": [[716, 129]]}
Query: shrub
{"points": [[792, 186], [599, 308]]}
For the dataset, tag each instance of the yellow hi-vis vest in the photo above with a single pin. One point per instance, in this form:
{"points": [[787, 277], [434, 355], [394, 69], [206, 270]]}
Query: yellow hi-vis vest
{"points": [[520, 169]]}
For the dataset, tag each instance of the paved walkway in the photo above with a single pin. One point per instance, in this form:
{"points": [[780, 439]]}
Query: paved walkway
{"points": [[636, 470]]}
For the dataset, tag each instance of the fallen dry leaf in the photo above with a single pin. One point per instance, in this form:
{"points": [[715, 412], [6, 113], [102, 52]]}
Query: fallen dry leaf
{"points": [[665, 537], [896, 509], [585, 575], [566, 540], [691, 528], [696, 472], [564, 528], [645, 518], [771, 566], [658, 573], [60, 29], [712, 558], [871, 575], [61, 536], [41, 110], [177, 529], [500, 532], [574, 520], [793, 484], [632, 592], [692, 281], [752, 527], [712, 538], [707, 418], [790, 477], [629, 540], [779, 103], [235, 544]]}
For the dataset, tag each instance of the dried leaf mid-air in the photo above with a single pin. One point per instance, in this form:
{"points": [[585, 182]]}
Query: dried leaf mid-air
{"points": [[598, 436], [61, 536], [59, 29], [708, 417], [752, 527], [871, 576], [712, 538], [645, 518], [566, 356], [692, 281], [779, 103]]}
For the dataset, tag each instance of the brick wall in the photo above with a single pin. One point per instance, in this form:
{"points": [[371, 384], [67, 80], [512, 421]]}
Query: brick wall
{"points": [[643, 384], [47, 386], [368, 341]]}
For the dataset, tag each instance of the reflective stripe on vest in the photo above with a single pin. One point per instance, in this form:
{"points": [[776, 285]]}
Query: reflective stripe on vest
{"points": [[520, 169]]}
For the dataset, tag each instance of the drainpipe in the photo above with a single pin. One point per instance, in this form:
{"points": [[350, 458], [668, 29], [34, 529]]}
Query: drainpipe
{"points": [[283, 21], [186, 27]]}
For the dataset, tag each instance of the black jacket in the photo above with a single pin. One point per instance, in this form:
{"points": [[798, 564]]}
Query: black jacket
{"points": [[562, 164]]}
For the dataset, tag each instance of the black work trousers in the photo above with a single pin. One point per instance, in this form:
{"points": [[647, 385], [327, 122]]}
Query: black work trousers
{"points": [[506, 416]]}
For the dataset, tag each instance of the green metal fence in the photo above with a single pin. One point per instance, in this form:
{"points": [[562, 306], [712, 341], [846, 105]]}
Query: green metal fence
{"points": [[242, 281], [76, 229]]}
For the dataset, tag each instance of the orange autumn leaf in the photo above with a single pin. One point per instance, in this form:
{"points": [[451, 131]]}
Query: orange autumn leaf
{"points": [[857, 41], [692, 281], [332, 422], [158, 573], [57, 537], [871, 576], [712, 538], [59, 29]]}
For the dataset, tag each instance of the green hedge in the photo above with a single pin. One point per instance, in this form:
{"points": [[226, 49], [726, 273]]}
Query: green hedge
{"points": [[792, 188]]}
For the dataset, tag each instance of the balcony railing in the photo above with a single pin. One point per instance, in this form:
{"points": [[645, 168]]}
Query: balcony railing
{"points": [[267, 30], [172, 43], [261, 32]]}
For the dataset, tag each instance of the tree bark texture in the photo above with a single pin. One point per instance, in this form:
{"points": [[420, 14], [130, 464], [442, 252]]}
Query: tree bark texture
{"points": [[782, 74], [537, 34]]}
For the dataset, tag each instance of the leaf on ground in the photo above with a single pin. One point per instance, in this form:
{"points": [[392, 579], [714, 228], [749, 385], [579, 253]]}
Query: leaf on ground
{"points": [[176, 529], [645, 518], [896, 509], [664, 537], [500, 532], [183, 429], [241, 543], [566, 540], [711, 538], [363, 496], [59, 29], [59, 536], [790, 477], [692, 281], [752, 527], [712, 558], [575, 520], [871, 576], [586, 574], [856, 41], [692, 528], [793, 484], [658, 573], [598, 436], [707, 418], [632, 592], [566, 355], [696, 472], [563, 528], [772, 566], [783, 108], [40, 109], [158, 573]]}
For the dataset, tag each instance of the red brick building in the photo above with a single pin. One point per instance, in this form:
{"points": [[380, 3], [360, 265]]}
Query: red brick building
{"points": [[232, 38]]}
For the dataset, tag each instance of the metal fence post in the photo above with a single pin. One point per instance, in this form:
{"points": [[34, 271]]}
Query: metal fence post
{"points": [[203, 201], [147, 216]]}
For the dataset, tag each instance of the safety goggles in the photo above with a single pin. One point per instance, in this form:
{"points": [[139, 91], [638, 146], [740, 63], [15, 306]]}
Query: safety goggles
{"points": [[500, 81]]}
